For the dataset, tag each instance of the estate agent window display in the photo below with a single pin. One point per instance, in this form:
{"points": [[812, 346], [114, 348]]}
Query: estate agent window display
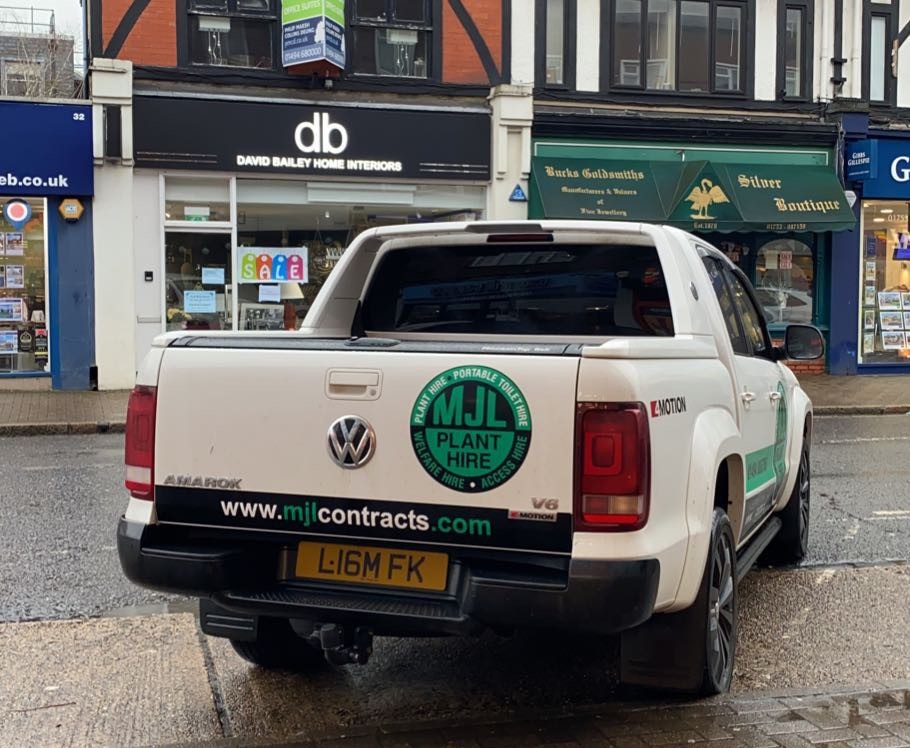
{"points": [[885, 283], [23, 330]]}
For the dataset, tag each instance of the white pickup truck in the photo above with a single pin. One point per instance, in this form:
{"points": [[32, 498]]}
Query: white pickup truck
{"points": [[570, 425]]}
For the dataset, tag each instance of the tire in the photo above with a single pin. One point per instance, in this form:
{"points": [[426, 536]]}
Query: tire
{"points": [[277, 647], [692, 650], [791, 544], [719, 584]]}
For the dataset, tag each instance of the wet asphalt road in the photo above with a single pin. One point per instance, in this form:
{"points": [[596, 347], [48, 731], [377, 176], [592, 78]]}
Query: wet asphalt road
{"points": [[60, 498]]}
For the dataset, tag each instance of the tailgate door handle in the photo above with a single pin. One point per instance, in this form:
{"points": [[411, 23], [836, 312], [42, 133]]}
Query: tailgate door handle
{"points": [[353, 384]]}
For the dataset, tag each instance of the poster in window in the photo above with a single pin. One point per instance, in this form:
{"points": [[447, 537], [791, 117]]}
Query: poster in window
{"points": [[9, 342], [869, 342], [273, 264], [889, 301], [907, 320], [2, 244], [869, 296], [2, 276], [15, 244], [870, 270], [15, 276], [891, 320], [40, 344], [26, 341], [905, 299], [869, 319], [10, 310], [892, 340]]}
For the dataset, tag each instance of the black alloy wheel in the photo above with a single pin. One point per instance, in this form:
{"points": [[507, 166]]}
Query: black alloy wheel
{"points": [[721, 629]]}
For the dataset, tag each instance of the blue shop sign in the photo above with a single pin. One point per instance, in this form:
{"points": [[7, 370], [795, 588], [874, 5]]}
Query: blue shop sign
{"points": [[46, 149], [862, 160], [891, 176]]}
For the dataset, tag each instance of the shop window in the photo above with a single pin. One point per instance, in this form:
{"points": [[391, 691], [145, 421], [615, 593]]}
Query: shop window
{"points": [[691, 46], [555, 28], [391, 38], [23, 293], [885, 283], [232, 33], [197, 282], [197, 200], [784, 271], [794, 61]]}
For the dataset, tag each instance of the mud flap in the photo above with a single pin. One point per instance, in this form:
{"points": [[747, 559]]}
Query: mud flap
{"points": [[668, 650]]}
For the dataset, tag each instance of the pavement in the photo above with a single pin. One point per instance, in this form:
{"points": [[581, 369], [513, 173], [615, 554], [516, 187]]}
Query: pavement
{"points": [[29, 406]]}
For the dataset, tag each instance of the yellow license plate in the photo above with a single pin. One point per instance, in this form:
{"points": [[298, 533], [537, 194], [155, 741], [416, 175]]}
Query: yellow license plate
{"points": [[389, 567]]}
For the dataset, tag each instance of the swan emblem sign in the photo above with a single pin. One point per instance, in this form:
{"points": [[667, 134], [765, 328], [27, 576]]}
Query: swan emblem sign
{"points": [[703, 196]]}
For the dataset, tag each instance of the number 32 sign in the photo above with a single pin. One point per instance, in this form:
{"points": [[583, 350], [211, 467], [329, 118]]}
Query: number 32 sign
{"points": [[273, 265]]}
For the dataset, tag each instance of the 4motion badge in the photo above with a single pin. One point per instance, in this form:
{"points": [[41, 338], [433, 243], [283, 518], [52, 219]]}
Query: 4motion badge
{"points": [[351, 442]]}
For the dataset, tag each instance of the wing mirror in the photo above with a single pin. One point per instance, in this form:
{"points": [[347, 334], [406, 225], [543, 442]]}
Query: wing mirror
{"points": [[803, 343]]}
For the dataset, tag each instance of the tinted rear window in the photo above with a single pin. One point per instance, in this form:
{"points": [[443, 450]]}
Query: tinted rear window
{"points": [[589, 290]]}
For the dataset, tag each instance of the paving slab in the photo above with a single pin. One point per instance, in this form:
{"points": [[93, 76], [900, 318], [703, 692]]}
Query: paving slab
{"points": [[115, 682]]}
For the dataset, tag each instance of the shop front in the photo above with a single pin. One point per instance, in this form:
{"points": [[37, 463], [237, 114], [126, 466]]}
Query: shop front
{"points": [[879, 275], [46, 300], [256, 202], [770, 210]]}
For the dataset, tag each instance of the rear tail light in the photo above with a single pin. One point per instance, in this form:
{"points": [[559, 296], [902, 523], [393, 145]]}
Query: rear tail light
{"points": [[612, 481], [140, 442]]}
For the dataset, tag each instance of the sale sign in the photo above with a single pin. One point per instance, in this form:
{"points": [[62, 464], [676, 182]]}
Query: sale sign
{"points": [[273, 265]]}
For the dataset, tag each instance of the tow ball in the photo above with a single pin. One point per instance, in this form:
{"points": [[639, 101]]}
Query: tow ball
{"points": [[343, 645]]}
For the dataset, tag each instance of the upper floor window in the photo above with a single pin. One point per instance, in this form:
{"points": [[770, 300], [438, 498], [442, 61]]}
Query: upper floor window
{"points": [[794, 62], [391, 37], [235, 33], [555, 25], [691, 46], [19, 78], [877, 78]]}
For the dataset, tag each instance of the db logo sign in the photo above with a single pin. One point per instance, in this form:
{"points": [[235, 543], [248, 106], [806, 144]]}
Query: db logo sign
{"points": [[17, 212], [321, 136]]}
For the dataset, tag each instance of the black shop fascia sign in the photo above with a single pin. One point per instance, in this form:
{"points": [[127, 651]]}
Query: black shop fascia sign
{"points": [[311, 139]]}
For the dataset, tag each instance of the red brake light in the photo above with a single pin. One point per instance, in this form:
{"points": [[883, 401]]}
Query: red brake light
{"points": [[613, 466], [140, 442]]}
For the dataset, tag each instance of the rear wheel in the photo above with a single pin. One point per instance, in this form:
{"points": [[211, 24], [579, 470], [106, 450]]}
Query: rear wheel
{"points": [[791, 543], [692, 650], [277, 647], [720, 576]]}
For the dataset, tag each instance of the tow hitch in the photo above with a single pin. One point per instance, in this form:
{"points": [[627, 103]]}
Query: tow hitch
{"points": [[343, 645]]}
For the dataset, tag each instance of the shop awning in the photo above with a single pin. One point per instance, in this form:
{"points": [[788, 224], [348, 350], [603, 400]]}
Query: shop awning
{"points": [[699, 196]]}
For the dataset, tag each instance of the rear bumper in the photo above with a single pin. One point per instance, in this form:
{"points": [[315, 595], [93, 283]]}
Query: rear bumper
{"points": [[243, 578]]}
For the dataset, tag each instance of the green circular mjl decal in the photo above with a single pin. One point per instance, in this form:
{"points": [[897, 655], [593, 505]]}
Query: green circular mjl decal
{"points": [[471, 428]]}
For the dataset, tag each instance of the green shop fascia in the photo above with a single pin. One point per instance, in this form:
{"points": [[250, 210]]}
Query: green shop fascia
{"points": [[770, 210]]}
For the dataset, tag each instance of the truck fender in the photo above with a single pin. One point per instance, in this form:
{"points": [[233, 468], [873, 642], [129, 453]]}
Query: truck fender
{"points": [[800, 408], [715, 439]]}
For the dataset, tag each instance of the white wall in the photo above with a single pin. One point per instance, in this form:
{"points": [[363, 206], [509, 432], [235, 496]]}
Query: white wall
{"points": [[115, 311], [766, 50], [523, 42], [587, 43], [112, 229], [853, 49], [147, 254]]}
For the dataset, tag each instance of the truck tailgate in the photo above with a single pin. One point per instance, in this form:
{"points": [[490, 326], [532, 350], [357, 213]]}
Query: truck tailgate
{"points": [[468, 449]]}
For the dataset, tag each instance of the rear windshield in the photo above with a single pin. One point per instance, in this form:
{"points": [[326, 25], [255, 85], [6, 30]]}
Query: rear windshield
{"points": [[585, 290]]}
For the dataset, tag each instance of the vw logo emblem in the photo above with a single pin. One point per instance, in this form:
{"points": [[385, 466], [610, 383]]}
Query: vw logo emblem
{"points": [[351, 442]]}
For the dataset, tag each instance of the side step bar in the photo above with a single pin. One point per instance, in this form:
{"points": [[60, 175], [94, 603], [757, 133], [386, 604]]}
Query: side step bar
{"points": [[747, 557]]}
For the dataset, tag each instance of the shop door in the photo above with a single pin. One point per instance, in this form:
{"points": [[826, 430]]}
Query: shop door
{"points": [[197, 281]]}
